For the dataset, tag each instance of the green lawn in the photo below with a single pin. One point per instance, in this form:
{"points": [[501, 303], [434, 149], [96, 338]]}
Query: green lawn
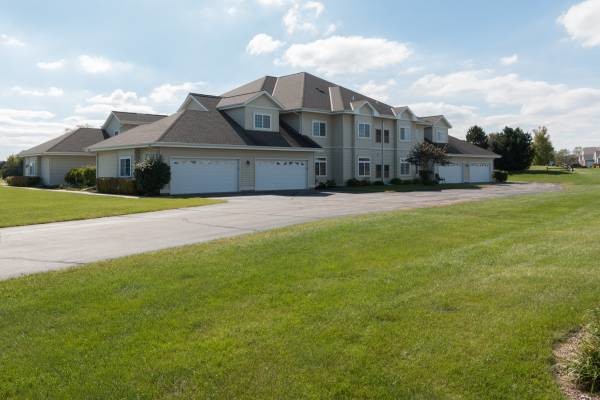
{"points": [[580, 176], [21, 206], [459, 302]]}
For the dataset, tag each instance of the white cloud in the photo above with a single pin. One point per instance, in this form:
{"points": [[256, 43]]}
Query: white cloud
{"points": [[50, 65], [271, 3], [169, 93], [6, 40], [315, 6], [263, 44], [22, 128], [331, 28], [117, 100], [50, 92], [100, 65], [571, 114], [345, 54], [377, 91], [301, 17], [411, 70], [581, 22], [509, 60]]}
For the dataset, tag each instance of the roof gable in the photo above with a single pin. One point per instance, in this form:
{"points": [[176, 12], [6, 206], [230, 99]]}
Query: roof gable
{"points": [[75, 141]]}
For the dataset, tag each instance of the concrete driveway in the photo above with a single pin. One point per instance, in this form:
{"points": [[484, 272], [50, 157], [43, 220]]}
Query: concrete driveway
{"points": [[37, 248]]}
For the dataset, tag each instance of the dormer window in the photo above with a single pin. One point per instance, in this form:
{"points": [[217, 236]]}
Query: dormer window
{"points": [[439, 136], [364, 130], [262, 121]]}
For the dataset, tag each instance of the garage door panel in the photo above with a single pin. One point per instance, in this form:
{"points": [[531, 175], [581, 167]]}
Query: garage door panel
{"points": [[204, 175], [479, 172], [450, 173], [281, 174]]}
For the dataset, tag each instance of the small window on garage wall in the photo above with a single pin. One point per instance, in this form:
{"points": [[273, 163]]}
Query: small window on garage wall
{"points": [[125, 167]]}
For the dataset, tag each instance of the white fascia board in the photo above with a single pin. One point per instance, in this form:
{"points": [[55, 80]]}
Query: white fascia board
{"points": [[207, 146]]}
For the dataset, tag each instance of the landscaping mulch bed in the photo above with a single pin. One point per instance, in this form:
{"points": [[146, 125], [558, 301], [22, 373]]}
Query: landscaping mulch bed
{"points": [[564, 352]]}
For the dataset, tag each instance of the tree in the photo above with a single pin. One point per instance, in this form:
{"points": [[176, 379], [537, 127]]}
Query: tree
{"points": [[425, 155], [515, 148], [12, 167], [542, 146], [477, 136]]}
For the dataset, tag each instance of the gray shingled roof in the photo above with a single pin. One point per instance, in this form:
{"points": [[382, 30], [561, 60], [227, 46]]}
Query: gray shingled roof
{"points": [[74, 141], [589, 151], [130, 118], [212, 127], [460, 147], [303, 90]]}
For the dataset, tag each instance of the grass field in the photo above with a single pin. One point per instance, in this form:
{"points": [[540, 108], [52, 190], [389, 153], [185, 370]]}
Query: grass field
{"points": [[452, 302], [580, 176], [24, 206]]}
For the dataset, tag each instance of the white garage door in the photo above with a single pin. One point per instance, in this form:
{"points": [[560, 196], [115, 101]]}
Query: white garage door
{"points": [[281, 174], [479, 172], [450, 173], [204, 175]]}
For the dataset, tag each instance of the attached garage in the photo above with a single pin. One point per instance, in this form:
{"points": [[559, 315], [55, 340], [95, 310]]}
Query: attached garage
{"points": [[479, 172], [451, 173], [204, 175], [281, 174]]}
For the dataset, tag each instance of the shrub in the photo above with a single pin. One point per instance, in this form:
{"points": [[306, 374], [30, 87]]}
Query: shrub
{"points": [[12, 167], [325, 185], [23, 181], [585, 367], [81, 177], [353, 182], [151, 176], [396, 181], [500, 176], [331, 183], [116, 186], [378, 183]]}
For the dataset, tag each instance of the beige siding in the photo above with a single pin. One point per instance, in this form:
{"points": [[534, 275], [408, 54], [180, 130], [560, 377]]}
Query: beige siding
{"points": [[106, 164], [262, 105], [238, 115], [247, 160], [58, 166]]}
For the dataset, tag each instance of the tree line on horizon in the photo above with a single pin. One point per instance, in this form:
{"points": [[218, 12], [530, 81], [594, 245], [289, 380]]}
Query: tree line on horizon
{"points": [[519, 149]]}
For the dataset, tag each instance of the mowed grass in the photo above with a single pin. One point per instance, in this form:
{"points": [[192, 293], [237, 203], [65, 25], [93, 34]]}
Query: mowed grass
{"points": [[459, 302], [21, 206], [580, 176]]}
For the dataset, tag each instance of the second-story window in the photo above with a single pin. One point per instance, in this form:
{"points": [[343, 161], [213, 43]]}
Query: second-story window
{"points": [[319, 128], [377, 135], [386, 136], [262, 121], [404, 134], [364, 130]]}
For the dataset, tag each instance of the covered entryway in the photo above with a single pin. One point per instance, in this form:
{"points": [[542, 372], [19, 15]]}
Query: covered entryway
{"points": [[451, 173], [479, 172], [281, 174], [204, 175]]}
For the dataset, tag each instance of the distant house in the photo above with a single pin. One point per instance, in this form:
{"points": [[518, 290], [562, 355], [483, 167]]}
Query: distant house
{"points": [[589, 156]]}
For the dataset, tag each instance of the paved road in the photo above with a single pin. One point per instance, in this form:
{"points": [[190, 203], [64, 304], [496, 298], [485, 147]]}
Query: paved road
{"points": [[37, 248]]}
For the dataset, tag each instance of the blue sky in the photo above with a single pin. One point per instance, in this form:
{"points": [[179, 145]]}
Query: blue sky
{"points": [[511, 63]]}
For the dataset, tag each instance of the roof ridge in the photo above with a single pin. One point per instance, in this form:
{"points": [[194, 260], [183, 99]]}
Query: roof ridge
{"points": [[137, 113], [66, 135], [205, 95]]}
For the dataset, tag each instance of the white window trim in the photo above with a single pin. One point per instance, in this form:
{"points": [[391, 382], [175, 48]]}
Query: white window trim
{"points": [[321, 160], [406, 134], [316, 121], [262, 114], [358, 130], [363, 160], [130, 167]]}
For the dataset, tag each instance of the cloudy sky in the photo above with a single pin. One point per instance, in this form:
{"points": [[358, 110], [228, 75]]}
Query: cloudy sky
{"points": [[527, 63]]}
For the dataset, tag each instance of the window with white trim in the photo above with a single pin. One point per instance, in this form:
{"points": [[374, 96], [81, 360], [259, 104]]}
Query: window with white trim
{"points": [[377, 135], [364, 166], [404, 134], [125, 167], [30, 168], [321, 166], [404, 168], [262, 121], [439, 136], [364, 130], [152, 156], [319, 128]]}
